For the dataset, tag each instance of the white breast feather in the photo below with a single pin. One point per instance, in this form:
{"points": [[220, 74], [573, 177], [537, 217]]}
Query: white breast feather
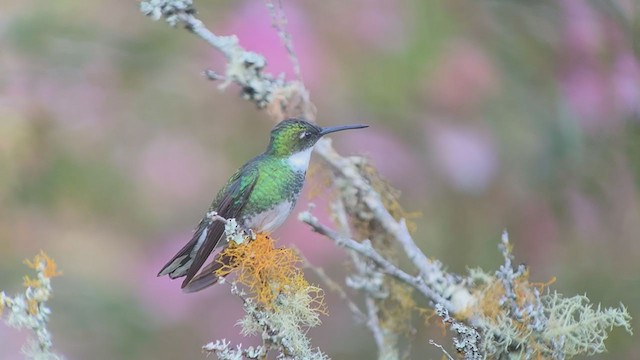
{"points": [[271, 219], [300, 160]]}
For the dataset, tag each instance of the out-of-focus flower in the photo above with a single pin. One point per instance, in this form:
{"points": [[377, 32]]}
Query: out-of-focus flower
{"points": [[174, 166], [393, 158], [583, 30], [10, 343], [586, 92], [466, 156], [252, 25], [464, 78], [378, 23], [161, 296], [626, 83], [599, 75]]}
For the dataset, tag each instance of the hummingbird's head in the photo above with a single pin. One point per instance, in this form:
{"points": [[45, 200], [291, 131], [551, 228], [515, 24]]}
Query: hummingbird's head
{"points": [[296, 135]]}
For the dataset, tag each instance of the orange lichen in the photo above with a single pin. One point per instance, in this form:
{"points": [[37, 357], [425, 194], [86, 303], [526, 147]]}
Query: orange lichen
{"points": [[489, 308], [489, 300], [50, 268], [32, 306], [29, 282], [266, 271], [542, 286]]}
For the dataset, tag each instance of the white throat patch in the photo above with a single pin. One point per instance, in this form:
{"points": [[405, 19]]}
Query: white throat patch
{"points": [[300, 160]]}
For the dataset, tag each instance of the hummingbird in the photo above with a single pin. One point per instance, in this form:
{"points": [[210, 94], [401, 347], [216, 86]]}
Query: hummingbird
{"points": [[260, 196]]}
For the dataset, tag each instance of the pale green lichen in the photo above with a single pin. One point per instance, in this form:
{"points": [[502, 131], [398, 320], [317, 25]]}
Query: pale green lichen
{"points": [[287, 322], [279, 303], [575, 326], [580, 326], [518, 318]]}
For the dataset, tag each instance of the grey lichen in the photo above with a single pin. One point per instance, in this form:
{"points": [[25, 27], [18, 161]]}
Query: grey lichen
{"points": [[244, 68], [285, 326], [283, 329], [468, 340], [515, 319]]}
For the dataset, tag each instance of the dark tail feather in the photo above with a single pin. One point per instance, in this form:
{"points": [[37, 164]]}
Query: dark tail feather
{"points": [[180, 263], [207, 276]]}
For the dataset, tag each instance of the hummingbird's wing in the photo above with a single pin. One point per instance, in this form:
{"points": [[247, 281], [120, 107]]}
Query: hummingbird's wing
{"points": [[229, 205]]}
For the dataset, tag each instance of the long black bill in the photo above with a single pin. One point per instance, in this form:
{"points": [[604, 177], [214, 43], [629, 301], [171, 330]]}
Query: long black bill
{"points": [[331, 129]]}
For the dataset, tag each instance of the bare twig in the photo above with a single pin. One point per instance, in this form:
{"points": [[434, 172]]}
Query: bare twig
{"points": [[279, 22], [335, 287], [370, 281], [441, 349], [374, 324], [244, 68]]}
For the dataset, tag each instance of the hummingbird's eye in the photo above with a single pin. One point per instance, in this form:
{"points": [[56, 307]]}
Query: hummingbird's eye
{"points": [[304, 134]]}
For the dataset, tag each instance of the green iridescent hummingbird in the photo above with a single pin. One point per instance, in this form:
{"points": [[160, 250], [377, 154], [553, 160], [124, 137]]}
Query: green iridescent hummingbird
{"points": [[260, 196]]}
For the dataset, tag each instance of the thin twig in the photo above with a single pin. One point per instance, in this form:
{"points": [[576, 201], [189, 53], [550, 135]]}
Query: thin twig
{"points": [[279, 22], [244, 68], [333, 286], [441, 348], [374, 323], [365, 249]]}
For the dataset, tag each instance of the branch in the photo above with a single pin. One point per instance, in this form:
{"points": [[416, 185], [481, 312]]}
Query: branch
{"points": [[279, 23], [365, 249], [30, 310], [444, 286], [244, 68], [469, 339]]}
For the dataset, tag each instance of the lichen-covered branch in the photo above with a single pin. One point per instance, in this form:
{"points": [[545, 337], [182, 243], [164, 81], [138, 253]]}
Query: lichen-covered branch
{"points": [[365, 249], [30, 310], [279, 304], [468, 339], [518, 318], [281, 329], [244, 68], [442, 287]]}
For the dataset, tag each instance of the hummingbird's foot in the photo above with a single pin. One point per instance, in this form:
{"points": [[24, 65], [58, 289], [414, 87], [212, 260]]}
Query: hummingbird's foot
{"points": [[213, 216], [250, 234]]}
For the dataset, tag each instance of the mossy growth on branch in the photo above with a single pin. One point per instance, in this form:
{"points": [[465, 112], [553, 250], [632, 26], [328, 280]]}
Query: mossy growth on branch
{"points": [[268, 272], [29, 310], [278, 301], [537, 323]]}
